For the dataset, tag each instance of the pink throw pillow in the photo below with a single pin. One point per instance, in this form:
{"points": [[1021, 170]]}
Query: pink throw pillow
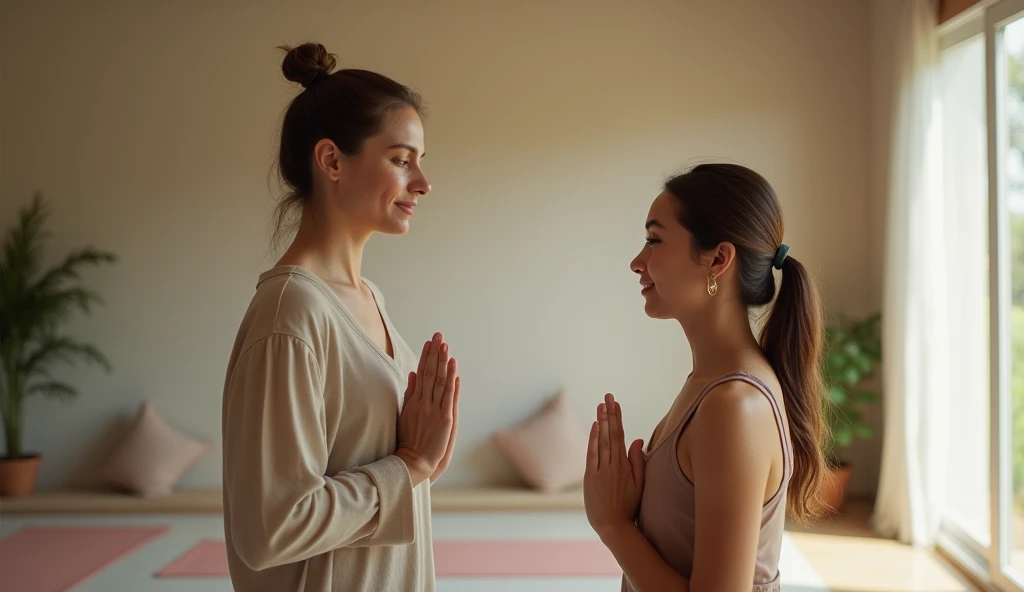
{"points": [[549, 449], [154, 456]]}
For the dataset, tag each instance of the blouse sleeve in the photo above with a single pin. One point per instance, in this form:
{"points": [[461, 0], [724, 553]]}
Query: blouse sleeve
{"points": [[283, 507]]}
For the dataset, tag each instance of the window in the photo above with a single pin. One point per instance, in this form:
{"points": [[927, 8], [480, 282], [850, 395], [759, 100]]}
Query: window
{"points": [[1010, 402], [964, 150], [981, 84]]}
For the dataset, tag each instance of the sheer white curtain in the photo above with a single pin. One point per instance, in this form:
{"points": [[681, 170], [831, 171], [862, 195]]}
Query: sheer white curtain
{"points": [[915, 340]]}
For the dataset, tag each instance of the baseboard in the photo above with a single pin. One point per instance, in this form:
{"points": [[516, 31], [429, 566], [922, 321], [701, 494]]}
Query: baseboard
{"points": [[453, 498], [187, 501], [450, 498]]}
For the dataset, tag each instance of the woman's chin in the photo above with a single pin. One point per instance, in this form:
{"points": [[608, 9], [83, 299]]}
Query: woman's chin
{"points": [[393, 226], [650, 307], [655, 310]]}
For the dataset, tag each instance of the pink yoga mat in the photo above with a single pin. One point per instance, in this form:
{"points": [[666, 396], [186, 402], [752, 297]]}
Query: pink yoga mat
{"points": [[208, 559], [523, 559], [451, 559], [39, 559]]}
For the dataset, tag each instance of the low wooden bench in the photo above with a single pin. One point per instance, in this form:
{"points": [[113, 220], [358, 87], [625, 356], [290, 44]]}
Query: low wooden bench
{"points": [[445, 498]]}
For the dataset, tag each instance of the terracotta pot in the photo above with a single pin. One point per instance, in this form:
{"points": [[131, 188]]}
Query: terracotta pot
{"points": [[18, 476], [834, 488]]}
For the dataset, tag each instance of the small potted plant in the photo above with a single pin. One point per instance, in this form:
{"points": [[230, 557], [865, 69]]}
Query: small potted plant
{"points": [[34, 303], [853, 353]]}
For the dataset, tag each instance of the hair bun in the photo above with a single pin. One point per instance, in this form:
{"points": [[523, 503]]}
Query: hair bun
{"points": [[307, 62]]}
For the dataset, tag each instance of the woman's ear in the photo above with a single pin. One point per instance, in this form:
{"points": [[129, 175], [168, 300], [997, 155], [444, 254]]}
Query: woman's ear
{"points": [[327, 158], [720, 259]]}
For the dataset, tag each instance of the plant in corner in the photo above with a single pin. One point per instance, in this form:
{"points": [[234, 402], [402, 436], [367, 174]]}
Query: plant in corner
{"points": [[34, 304], [853, 351]]}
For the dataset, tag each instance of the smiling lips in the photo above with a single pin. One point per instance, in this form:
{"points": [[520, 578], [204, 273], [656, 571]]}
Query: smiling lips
{"points": [[406, 206], [647, 287]]}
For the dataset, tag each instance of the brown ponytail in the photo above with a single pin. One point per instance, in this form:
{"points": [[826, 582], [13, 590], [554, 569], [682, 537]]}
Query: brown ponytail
{"points": [[792, 341], [730, 203]]}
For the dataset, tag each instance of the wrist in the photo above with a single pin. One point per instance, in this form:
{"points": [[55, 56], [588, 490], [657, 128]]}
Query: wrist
{"points": [[615, 531], [419, 469]]}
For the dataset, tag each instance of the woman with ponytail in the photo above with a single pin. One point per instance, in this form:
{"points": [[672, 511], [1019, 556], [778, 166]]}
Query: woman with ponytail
{"points": [[703, 505]]}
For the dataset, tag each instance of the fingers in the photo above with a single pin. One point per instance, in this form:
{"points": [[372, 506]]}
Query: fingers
{"points": [[637, 462], [409, 390], [454, 397], [593, 457], [616, 438], [448, 395], [604, 445], [429, 374], [418, 389], [441, 380], [455, 409]]}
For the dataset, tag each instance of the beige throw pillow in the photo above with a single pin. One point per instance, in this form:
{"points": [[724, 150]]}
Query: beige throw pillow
{"points": [[154, 456], [549, 449]]}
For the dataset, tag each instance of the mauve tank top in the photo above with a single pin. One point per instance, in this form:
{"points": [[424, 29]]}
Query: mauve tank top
{"points": [[666, 514]]}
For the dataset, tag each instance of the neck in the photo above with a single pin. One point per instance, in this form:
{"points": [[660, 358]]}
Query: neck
{"points": [[329, 246], [716, 337]]}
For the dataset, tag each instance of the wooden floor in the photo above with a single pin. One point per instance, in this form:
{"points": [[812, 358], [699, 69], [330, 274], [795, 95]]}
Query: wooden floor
{"points": [[851, 557]]}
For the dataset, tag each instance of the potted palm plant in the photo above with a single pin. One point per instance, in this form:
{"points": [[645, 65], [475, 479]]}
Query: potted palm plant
{"points": [[853, 353], [34, 303]]}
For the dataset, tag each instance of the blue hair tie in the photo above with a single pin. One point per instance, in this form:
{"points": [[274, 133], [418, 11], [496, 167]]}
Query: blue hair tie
{"points": [[780, 256]]}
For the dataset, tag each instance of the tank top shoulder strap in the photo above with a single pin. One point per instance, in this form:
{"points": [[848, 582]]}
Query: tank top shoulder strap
{"points": [[787, 453], [780, 423], [688, 415]]}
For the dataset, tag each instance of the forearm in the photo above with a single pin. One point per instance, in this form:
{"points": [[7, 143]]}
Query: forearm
{"points": [[365, 507], [640, 562]]}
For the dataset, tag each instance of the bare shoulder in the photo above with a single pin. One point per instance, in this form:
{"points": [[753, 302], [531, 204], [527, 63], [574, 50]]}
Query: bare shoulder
{"points": [[734, 411], [733, 403]]}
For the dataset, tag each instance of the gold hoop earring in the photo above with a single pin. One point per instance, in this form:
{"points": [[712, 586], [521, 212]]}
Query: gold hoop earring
{"points": [[712, 285]]}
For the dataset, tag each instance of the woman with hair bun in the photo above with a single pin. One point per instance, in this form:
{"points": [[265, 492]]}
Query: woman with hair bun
{"points": [[333, 428]]}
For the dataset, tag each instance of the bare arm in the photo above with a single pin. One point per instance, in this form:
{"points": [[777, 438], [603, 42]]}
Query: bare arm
{"points": [[642, 565], [731, 463]]}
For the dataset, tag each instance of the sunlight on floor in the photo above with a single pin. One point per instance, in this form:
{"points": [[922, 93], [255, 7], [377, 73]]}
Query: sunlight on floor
{"points": [[858, 564], [838, 555]]}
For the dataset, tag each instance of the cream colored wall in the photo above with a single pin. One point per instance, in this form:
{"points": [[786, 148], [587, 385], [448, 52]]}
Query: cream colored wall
{"points": [[866, 455], [149, 126]]}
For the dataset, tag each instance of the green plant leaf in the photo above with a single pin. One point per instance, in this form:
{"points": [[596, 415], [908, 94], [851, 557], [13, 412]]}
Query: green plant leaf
{"points": [[837, 394], [35, 303], [843, 438], [864, 364], [852, 351], [69, 268], [44, 312], [23, 248], [874, 352], [834, 361], [62, 349], [55, 389], [865, 397]]}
